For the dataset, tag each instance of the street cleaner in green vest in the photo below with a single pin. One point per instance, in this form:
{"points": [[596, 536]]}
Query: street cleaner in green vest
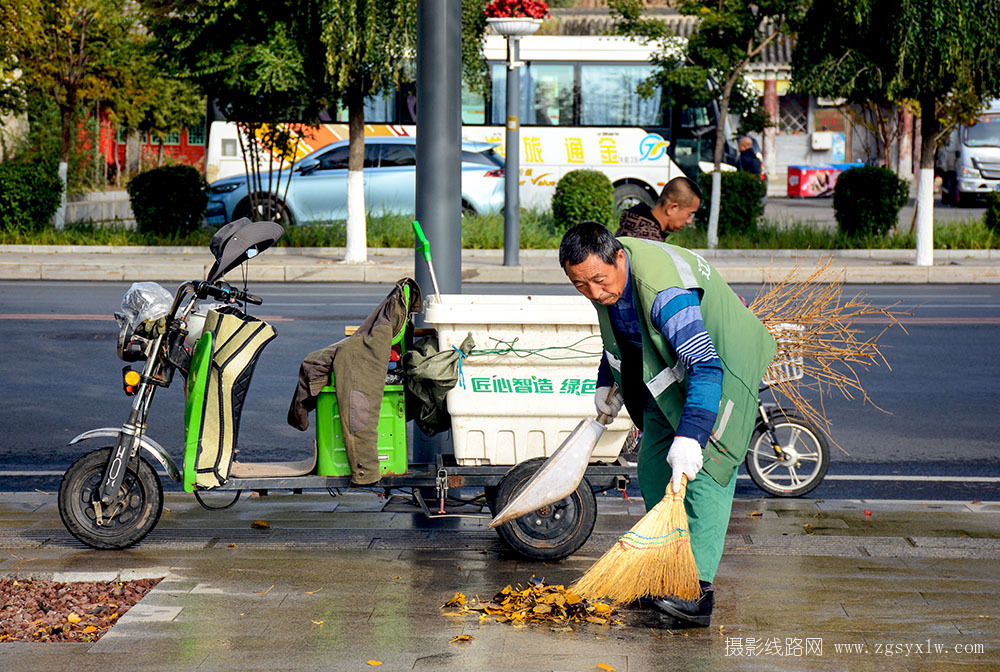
{"points": [[688, 357]]}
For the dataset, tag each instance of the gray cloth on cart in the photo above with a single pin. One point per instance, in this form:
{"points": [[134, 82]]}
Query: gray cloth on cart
{"points": [[357, 366], [429, 375]]}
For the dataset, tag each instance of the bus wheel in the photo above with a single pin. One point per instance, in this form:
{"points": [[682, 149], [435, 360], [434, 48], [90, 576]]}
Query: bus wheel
{"points": [[631, 195]]}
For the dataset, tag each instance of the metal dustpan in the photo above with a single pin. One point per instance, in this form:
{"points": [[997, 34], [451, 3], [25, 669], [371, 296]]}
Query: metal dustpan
{"points": [[560, 474]]}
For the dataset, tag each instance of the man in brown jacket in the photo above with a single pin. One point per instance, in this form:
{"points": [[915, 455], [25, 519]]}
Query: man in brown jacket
{"points": [[679, 200]]}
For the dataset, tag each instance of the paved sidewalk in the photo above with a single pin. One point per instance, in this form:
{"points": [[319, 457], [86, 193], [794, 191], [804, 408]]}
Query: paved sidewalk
{"points": [[69, 262], [339, 581]]}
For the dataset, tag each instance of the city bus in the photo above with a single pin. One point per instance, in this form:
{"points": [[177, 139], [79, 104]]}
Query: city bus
{"points": [[579, 109]]}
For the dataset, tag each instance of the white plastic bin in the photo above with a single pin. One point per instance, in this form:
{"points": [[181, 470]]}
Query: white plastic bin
{"points": [[524, 398]]}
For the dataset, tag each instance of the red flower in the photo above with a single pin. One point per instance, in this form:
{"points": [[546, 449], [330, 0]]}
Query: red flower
{"points": [[509, 9]]}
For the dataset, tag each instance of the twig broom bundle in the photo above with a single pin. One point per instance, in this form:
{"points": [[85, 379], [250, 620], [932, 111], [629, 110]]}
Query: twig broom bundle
{"points": [[653, 558], [814, 327]]}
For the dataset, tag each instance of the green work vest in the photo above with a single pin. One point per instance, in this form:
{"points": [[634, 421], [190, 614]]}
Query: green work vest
{"points": [[744, 345]]}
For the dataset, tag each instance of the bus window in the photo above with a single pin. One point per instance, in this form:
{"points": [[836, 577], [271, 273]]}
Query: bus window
{"points": [[499, 97], [378, 110], [550, 95], [473, 107], [695, 117], [608, 96]]}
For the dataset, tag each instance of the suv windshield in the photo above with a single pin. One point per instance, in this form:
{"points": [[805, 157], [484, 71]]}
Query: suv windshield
{"points": [[984, 133]]}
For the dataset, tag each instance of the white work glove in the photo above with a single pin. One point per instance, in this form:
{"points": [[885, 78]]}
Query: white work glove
{"points": [[684, 457], [607, 406]]}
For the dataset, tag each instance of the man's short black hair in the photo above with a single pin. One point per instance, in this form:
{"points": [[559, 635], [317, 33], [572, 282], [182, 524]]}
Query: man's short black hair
{"points": [[680, 190], [585, 239]]}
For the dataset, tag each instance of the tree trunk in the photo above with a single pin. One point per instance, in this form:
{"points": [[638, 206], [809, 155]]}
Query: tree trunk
{"points": [[357, 234], [720, 144], [159, 154], [66, 113], [925, 185]]}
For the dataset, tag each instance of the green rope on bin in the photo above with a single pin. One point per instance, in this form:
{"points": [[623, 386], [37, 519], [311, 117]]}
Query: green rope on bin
{"points": [[521, 353]]}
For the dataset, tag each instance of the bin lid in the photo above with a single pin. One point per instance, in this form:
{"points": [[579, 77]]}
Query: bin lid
{"points": [[510, 309]]}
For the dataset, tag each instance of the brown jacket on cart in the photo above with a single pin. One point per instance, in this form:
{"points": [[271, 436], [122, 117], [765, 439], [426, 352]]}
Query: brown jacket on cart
{"points": [[358, 365]]}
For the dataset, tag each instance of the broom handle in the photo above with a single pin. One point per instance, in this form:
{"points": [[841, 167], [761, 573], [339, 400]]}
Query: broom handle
{"points": [[605, 418]]}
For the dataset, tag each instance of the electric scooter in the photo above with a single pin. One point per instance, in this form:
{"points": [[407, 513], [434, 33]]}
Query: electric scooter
{"points": [[112, 497]]}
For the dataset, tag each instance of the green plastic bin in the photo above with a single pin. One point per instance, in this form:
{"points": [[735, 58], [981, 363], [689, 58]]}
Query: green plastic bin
{"points": [[332, 457]]}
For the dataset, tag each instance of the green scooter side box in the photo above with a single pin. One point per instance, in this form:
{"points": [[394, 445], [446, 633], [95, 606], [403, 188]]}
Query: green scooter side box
{"points": [[332, 457]]}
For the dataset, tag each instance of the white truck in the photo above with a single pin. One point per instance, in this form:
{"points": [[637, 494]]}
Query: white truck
{"points": [[969, 164]]}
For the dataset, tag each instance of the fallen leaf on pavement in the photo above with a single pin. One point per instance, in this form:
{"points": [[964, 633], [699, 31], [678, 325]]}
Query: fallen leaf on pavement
{"points": [[265, 592], [461, 638], [374, 663], [260, 525], [606, 668]]}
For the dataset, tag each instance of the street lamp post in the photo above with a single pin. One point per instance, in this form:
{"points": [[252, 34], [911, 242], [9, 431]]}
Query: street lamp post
{"points": [[513, 29]]}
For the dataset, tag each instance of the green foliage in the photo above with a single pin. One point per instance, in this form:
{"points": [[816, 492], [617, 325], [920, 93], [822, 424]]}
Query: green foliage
{"points": [[368, 43], [943, 54], [740, 203], [727, 35], [992, 217], [867, 200], [583, 195], [168, 200], [29, 195]]}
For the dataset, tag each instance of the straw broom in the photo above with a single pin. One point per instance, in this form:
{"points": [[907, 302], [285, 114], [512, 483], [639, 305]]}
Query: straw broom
{"points": [[653, 558]]}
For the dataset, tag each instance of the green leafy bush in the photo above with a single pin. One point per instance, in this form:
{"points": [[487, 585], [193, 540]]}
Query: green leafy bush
{"points": [[169, 200], [741, 202], [866, 200], [583, 195], [992, 217], [29, 194]]}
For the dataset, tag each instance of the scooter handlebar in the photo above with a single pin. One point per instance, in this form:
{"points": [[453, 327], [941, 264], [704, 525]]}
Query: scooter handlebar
{"points": [[226, 292]]}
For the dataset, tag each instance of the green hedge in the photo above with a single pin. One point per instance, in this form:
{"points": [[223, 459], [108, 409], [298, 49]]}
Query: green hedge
{"points": [[29, 194], [867, 200], [583, 195], [741, 202], [168, 201]]}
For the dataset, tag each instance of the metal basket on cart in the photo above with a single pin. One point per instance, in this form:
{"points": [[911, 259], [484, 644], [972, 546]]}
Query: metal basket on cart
{"points": [[787, 363]]}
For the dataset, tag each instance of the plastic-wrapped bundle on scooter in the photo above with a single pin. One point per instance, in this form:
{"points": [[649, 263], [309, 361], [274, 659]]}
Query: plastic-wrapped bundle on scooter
{"points": [[221, 369]]}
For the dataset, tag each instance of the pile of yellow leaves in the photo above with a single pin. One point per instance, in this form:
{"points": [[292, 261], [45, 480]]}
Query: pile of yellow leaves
{"points": [[537, 603]]}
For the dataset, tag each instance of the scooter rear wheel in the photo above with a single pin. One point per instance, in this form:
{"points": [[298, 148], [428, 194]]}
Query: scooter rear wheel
{"points": [[802, 465], [142, 502]]}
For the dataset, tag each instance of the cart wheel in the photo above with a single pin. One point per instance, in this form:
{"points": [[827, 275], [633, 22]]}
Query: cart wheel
{"points": [[552, 532]]}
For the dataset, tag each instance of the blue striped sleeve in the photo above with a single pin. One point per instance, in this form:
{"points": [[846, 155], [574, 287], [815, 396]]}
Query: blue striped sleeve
{"points": [[676, 313]]}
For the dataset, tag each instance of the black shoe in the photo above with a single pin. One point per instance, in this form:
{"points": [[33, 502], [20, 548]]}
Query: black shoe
{"points": [[688, 613]]}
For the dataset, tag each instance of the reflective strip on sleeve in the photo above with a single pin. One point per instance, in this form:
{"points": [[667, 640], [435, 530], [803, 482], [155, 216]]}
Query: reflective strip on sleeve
{"points": [[724, 420], [683, 267], [615, 363], [666, 378]]}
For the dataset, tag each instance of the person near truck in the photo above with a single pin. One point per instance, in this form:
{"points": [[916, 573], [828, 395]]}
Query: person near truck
{"points": [[673, 210], [688, 357], [748, 160]]}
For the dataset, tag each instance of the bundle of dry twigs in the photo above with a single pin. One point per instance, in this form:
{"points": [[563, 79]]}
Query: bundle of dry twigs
{"points": [[819, 348]]}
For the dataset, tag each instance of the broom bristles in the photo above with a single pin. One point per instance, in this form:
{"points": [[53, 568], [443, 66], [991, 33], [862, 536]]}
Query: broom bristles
{"points": [[653, 558]]}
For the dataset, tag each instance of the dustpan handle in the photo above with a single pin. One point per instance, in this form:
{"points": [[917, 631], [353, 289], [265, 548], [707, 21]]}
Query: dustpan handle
{"points": [[604, 418]]}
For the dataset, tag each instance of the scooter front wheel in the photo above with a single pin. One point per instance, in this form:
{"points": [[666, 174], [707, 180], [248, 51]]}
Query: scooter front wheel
{"points": [[138, 512]]}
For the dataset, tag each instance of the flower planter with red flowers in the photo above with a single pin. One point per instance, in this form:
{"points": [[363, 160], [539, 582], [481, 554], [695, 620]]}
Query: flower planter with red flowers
{"points": [[512, 18]]}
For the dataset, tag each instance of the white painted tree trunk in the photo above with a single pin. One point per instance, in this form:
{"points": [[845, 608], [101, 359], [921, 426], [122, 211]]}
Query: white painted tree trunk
{"points": [[357, 228], [925, 217], [713, 213], [59, 219]]}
